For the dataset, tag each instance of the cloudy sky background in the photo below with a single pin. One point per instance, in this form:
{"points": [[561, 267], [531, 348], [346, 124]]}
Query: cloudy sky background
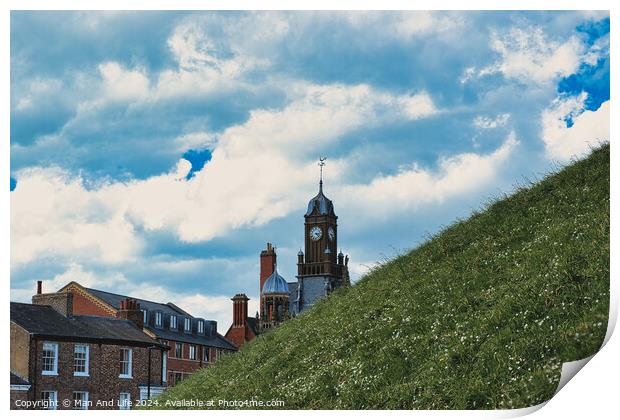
{"points": [[154, 154]]}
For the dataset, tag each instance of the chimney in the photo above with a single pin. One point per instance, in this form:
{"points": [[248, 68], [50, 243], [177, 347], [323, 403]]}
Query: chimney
{"points": [[60, 302], [39, 287], [267, 264], [240, 309], [130, 310]]}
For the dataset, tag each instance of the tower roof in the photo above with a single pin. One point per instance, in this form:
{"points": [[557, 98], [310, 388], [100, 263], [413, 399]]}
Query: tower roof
{"points": [[321, 203], [275, 284]]}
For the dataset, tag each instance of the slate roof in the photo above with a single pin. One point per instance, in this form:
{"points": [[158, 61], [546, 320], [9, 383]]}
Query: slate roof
{"points": [[44, 322], [275, 283], [210, 338], [17, 380], [253, 324], [114, 300], [320, 203]]}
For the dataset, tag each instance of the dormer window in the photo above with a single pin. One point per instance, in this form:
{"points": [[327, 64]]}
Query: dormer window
{"points": [[145, 317], [201, 327], [188, 324], [158, 319], [173, 322]]}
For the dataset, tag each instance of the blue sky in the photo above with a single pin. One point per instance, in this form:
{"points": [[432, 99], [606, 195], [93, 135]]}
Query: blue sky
{"points": [[155, 153]]}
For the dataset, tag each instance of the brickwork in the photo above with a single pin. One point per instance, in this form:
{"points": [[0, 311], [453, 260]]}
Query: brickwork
{"points": [[103, 382]]}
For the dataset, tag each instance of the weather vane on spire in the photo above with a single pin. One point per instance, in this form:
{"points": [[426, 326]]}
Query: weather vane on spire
{"points": [[321, 164]]}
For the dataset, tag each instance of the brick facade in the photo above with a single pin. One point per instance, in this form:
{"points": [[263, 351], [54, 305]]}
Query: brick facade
{"points": [[103, 382]]}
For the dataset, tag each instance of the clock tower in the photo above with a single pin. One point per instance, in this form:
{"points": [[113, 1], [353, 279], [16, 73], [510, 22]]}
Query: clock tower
{"points": [[320, 269]]}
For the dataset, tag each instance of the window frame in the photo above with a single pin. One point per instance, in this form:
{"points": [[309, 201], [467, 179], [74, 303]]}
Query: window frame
{"points": [[173, 322], [178, 348], [55, 348], [145, 316], [83, 401], [201, 327], [54, 405], [192, 352], [86, 360], [128, 362], [121, 400], [187, 325], [206, 355], [159, 319]]}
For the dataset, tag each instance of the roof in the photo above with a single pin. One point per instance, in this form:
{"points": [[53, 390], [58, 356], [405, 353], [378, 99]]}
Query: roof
{"points": [[320, 204], [209, 338], [275, 284], [43, 321], [114, 300], [253, 324], [17, 380]]}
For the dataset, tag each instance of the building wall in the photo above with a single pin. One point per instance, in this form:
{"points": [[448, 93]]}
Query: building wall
{"points": [[84, 304], [313, 289], [19, 350], [103, 382], [240, 334], [18, 395]]}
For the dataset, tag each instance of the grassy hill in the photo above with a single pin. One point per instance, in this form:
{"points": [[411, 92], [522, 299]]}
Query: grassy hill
{"points": [[482, 315]]}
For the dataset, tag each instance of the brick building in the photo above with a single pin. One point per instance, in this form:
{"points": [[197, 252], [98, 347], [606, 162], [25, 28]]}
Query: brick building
{"points": [[67, 361], [194, 342]]}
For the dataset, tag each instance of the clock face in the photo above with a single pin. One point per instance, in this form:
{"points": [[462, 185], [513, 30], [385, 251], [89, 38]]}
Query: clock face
{"points": [[316, 233], [331, 233]]}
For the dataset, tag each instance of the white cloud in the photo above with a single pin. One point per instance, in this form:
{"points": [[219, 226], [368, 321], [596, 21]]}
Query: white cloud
{"points": [[52, 214], [260, 170], [589, 127], [528, 54], [122, 84], [484, 122], [414, 187]]}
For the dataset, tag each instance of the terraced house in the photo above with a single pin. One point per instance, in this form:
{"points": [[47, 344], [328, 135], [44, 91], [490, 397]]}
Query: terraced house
{"points": [[194, 342], [60, 360]]}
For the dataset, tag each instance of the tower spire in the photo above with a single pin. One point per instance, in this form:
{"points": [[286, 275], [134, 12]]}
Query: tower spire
{"points": [[321, 164]]}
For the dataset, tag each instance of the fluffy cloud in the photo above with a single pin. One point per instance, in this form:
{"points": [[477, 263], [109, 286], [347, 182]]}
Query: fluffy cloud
{"points": [[415, 187], [528, 54], [588, 127], [259, 171]]}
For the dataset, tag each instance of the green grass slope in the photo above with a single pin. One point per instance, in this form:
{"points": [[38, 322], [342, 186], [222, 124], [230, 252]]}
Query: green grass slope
{"points": [[482, 315]]}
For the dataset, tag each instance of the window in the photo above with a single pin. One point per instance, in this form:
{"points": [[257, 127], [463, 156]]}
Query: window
{"points": [[192, 352], [145, 317], [205, 353], [201, 327], [178, 350], [173, 322], [125, 359], [50, 359], [188, 324], [158, 317], [80, 400], [81, 354], [50, 400], [124, 401]]}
